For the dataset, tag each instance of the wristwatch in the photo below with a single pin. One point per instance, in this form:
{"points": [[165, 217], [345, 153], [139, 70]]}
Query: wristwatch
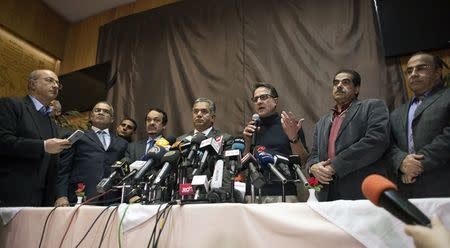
{"points": [[293, 140]]}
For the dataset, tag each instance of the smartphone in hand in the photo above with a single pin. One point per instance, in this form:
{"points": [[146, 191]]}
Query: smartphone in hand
{"points": [[75, 136]]}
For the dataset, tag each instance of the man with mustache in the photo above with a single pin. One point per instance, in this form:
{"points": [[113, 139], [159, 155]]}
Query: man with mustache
{"points": [[280, 134], [348, 141], [155, 124], [419, 155], [90, 158]]}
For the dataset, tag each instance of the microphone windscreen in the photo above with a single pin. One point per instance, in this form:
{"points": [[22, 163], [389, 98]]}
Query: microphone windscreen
{"points": [[374, 185], [171, 139]]}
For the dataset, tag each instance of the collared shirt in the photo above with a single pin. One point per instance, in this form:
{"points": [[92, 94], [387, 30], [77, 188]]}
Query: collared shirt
{"points": [[106, 135], [205, 132], [415, 102], [336, 123], [151, 142], [38, 105]]}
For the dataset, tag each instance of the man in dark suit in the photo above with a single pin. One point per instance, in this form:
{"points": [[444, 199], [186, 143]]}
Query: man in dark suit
{"points": [[27, 143], [90, 158], [419, 155], [155, 124], [348, 141], [203, 117]]}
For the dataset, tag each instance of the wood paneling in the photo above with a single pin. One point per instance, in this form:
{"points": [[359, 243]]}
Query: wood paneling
{"points": [[81, 44], [36, 23]]}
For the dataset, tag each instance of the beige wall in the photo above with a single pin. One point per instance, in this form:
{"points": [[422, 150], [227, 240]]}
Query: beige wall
{"points": [[81, 45], [35, 23]]}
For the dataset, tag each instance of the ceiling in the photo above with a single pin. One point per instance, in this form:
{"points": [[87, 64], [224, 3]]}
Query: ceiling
{"points": [[77, 10]]}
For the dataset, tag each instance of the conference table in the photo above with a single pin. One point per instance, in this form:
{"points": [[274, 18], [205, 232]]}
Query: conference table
{"points": [[315, 224]]}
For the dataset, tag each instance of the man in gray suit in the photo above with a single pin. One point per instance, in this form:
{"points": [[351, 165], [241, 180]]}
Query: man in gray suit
{"points": [[419, 154], [203, 117], [349, 140]]}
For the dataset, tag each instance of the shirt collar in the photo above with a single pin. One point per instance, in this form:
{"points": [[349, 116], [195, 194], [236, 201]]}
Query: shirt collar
{"points": [[38, 105], [157, 138], [344, 108], [205, 132], [96, 129]]}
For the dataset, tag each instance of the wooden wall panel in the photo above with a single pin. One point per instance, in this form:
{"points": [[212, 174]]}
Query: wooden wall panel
{"points": [[82, 38], [36, 23]]}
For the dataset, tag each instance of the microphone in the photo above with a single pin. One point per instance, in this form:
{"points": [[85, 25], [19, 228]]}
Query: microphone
{"points": [[281, 163], [155, 154], [266, 160], [185, 189], [195, 143], [248, 161], [296, 161], [199, 184], [208, 146], [170, 159], [256, 119], [383, 193], [234, 158], [119, 170], [217, 177]]}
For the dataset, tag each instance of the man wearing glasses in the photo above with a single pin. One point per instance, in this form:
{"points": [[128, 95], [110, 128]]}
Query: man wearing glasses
{"points": [[349, 140], [279, 134], [28, 146], [90, 158], [203, 117], [419, 154]]}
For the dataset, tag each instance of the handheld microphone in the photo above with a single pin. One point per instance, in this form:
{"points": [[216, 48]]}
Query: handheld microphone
{"points": [[235, 159], [383, 193], [267, 160], [208, 146], [155, 154], [256, 119], [296, 161], [217, 177], [248, 161], [119, 170], [170, 160]]}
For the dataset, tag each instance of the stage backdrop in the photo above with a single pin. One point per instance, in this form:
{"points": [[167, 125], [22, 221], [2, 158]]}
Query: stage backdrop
{"points": [[218, 49]]}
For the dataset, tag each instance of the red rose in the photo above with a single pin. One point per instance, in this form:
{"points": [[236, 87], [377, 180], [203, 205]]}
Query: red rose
{"points": [[80, 187], [313, 181]]}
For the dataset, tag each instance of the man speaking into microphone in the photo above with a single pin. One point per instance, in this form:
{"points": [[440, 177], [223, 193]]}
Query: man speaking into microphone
{"points": [[279, 133]]}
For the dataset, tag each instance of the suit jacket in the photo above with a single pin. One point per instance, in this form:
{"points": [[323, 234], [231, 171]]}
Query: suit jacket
{"points": [[431, 135], [87, 162], [213, 133], [361, 141], [26, 169]]}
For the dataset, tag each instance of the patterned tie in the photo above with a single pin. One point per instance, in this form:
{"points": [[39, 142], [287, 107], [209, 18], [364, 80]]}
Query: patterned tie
{"points": [[416, 103], [43, 111], [150, 144], [101, 135]]}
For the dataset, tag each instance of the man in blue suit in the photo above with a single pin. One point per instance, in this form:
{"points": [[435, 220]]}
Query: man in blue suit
{"points": [[90, 158], [349, 140], [419, 155]]}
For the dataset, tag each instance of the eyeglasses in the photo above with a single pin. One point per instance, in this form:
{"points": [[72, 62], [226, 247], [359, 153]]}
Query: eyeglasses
{"points": [[203, 111], [418, 69], [53, 81], [98, 110], [263, 97], [344, 81]]}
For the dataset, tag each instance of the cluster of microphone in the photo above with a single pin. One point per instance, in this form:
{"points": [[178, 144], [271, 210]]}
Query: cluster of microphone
{"points": [[198, 168]]}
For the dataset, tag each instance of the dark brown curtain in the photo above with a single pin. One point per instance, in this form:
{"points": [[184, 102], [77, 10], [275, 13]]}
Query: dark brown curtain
{"points": [[218, 49]]}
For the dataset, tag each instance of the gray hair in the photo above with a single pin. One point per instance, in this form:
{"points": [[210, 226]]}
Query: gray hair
{"points": [[212, 105]]}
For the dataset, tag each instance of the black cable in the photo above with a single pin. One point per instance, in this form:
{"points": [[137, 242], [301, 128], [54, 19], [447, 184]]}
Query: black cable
{"points": [[92, 225], [154, 228], [45, 226], [166, 212], [106, 226]]}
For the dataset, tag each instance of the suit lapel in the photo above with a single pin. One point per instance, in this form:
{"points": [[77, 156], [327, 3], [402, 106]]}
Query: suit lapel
{"points": [[140, 148], [349, 116], [325, 130], [93, 136], [426, 103], [33, 113]]}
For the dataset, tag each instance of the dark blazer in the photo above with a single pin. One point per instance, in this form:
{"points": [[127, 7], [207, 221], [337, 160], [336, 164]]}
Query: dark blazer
{"points": [[136, 150], [361, 141], [26, 169], [431, 135], [87, 162]]}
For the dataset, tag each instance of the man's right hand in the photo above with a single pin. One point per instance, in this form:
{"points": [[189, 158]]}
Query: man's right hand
{"points": [[62, 202], [54, 145], [411, 165], [248, 132], [319, 170]]}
